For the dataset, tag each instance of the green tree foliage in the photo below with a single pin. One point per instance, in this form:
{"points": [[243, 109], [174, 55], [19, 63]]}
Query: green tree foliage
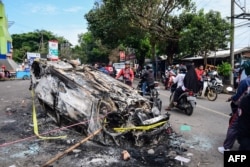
{"points": [[130, 22], [205, 33], [36, 41], [92, 49], [172, 27], [225, 69]]}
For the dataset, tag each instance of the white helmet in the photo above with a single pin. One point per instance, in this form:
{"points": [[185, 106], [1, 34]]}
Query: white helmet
{"points": [[236, 64], [214, 73]]}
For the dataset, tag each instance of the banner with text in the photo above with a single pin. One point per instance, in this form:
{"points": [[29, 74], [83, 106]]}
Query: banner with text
{"points": [[53, 50]]}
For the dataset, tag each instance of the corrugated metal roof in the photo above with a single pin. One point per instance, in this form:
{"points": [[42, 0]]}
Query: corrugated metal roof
{"points": [[219, 54]]}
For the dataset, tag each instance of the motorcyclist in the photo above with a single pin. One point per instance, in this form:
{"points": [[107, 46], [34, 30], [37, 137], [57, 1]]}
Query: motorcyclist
{"points": [[127, 73], [147, 79], [190, 82], [172, 75], [178, 81]]}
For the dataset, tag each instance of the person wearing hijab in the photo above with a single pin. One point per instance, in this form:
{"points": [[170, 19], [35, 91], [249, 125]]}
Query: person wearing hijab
{"points": [[190, 82]]}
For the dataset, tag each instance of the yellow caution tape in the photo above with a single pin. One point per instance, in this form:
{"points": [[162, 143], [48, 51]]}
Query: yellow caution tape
{"points": [[148, 127], [35, 122]]}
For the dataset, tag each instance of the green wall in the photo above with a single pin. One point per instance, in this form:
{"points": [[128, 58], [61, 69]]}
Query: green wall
{"points": [[4, 33]]}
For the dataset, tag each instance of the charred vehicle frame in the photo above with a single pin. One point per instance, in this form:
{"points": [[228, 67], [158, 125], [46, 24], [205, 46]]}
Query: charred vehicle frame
{"points": [[81, 94]]}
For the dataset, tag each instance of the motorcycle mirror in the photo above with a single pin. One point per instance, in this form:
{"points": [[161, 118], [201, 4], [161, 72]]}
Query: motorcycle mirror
{"points": [[229, 89]]}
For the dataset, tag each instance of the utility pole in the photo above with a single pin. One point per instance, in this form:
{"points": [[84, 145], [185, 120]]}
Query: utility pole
{"points": [[245, 16], [232, 41]]}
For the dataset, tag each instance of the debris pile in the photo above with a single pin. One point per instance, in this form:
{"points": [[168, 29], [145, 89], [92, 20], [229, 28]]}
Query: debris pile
{"points": [[83, 94]]}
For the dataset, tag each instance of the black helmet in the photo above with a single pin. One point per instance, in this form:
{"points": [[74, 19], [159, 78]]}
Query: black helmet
{"points": [[183, 69]]}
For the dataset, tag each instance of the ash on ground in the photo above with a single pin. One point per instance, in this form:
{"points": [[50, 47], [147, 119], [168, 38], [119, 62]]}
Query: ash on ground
{"points": [[20, 147]]}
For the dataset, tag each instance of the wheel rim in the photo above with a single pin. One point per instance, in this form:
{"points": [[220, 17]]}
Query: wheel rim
{"points": [[212, 95]]}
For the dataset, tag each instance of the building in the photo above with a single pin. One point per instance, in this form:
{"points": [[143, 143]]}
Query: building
{"points": [[216, 58], [6, 61]]}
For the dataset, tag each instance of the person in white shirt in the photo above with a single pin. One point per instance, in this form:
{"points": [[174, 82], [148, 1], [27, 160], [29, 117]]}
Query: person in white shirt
{"points": [[178, 80]]}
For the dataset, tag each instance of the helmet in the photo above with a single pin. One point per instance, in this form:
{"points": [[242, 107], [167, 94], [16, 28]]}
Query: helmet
{"points": [[127, 62], [214, 73], [183, 69], [237, 64], [246, 67], [148, 67]]}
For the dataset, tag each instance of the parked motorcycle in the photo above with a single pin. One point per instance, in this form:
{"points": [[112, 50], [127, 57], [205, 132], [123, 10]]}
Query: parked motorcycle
{"points": [[216, 82], [208, 90], [186, 102]]}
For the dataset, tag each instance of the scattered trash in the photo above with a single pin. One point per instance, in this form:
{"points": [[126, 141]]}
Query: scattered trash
{"points": [[182, 159], [12, 166], [185, 128], [76, 150], [151, 151], [9, 121], [125, 155], [190, 154]]}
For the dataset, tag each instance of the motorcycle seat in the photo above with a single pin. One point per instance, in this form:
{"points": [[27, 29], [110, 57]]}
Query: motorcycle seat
{"points": [[151, 86]]}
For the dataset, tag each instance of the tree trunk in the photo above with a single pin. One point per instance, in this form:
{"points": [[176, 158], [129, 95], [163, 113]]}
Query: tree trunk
{"points": [[205, 59]]}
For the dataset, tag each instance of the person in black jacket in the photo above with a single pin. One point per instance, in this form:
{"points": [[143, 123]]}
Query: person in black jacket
{"points": [[148, 79], [244, 123]]}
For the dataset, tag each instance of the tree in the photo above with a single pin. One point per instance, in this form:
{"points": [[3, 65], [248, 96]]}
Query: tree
{"points": [[36, 41], [92, 49], [115, 21], [205, 33]]}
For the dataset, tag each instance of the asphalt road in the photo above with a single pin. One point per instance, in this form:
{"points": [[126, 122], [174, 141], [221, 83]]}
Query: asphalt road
{"points": [[205, 130]]}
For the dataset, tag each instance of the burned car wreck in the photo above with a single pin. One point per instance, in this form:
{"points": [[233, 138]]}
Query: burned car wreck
{"points": [[73, 94]]}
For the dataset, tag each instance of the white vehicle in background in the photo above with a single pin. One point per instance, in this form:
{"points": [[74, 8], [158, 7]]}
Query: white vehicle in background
{"points": [[118, 67]]}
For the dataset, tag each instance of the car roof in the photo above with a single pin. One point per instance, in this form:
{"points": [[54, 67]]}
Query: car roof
{"points": [[119, 65]]}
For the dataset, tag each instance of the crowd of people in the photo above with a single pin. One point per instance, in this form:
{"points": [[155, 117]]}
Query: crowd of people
{"points": [[127, 73], [188, 77], [239, 124]]}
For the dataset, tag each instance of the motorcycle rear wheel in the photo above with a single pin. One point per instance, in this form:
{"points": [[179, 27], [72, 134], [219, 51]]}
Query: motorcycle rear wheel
{"points": [[189, 109], [212, 94]]}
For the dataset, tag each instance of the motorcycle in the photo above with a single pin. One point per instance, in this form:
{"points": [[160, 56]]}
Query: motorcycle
{"points": [[208, 90], [186, 101], [216, 82], [151, 93]]}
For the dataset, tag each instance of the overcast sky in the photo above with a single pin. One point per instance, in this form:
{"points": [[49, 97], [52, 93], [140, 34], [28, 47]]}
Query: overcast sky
{"points": [[66, 17]]}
